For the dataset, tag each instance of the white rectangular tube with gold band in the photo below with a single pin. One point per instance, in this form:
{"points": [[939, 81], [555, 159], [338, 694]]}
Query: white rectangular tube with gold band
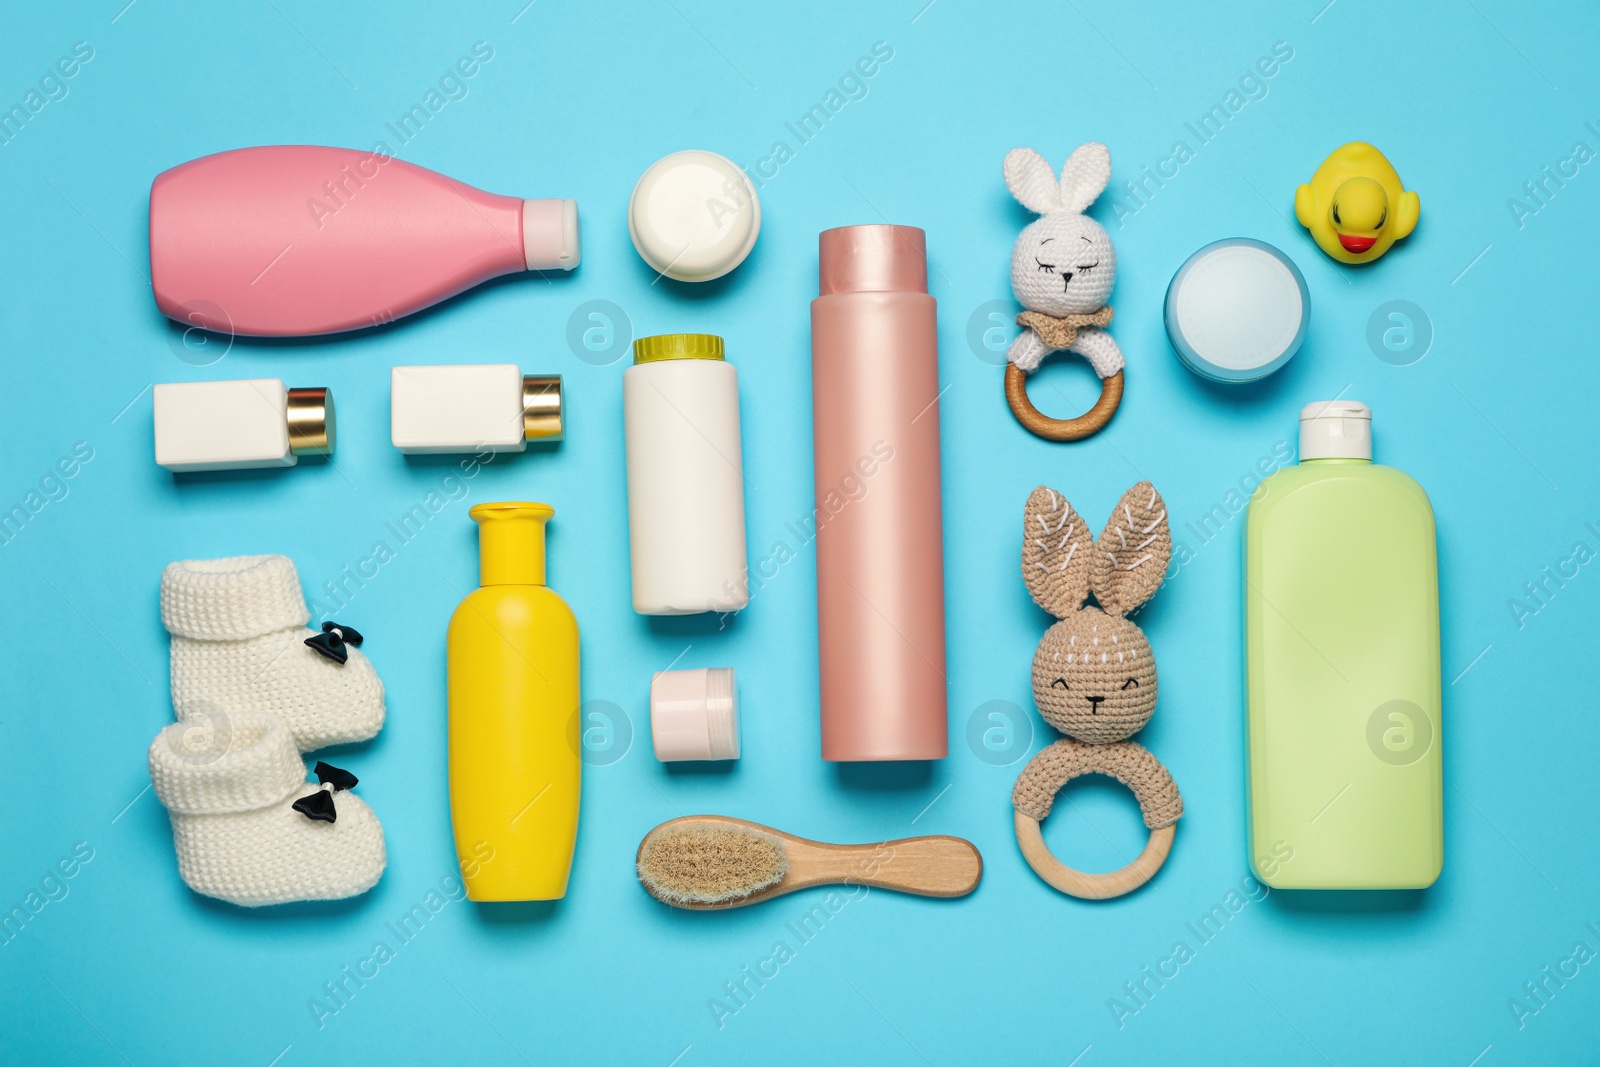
{"points": [[238, 425], [472, 407]]}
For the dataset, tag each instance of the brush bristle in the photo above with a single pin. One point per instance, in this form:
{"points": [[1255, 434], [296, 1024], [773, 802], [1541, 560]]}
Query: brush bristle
{"points": [[710, 864]]}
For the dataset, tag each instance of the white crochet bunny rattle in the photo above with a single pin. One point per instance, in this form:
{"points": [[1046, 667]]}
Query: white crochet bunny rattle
{"points": [[1062, 270]]}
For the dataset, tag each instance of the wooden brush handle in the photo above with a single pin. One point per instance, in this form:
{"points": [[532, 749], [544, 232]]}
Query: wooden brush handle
{"points": [[934, 866]]}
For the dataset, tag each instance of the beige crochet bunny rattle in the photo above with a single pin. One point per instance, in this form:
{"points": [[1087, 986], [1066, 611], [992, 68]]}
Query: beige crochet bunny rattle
{"points": [[1094, 676]]}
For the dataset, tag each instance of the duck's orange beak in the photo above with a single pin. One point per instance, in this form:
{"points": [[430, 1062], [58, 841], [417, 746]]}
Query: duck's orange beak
{"points": [[1356, 245]]}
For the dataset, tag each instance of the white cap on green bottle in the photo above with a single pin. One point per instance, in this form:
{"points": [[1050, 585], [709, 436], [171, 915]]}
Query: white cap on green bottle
{"points": [[1335, 429]]}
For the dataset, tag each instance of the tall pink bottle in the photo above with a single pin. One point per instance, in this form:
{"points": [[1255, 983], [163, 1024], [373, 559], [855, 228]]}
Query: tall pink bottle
{"points": [[880, 539], [291, 240]]}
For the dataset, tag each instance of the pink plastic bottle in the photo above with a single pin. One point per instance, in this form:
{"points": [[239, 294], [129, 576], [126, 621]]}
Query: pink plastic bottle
{"points": [[291, 240], [880, 540]]}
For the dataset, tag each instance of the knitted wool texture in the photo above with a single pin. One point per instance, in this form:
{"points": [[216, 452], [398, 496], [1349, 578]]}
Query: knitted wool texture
{"points": [[229, 782], [1127, 761], [1062, 332], [238, 630], [1094, 675], [1063, 264]]}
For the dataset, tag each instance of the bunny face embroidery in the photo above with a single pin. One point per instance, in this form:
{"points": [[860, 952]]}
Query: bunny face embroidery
{"points": [[1063, 266], [1094, 675]]}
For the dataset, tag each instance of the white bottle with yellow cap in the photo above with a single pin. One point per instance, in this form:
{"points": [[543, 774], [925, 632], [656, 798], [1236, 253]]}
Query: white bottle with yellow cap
{"points": [[680, 403]]}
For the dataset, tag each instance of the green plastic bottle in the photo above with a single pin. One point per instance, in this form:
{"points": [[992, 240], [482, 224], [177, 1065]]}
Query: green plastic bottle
{"points": [[1342, 663]]}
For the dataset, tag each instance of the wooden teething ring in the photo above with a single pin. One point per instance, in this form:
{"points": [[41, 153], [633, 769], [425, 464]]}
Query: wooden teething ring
{"points": [[1092, 886], [1036, 422], [1126, 761]]}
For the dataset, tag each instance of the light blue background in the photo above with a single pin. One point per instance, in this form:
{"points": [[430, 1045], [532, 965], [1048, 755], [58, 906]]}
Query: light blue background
{"points": [[1469, 98]]}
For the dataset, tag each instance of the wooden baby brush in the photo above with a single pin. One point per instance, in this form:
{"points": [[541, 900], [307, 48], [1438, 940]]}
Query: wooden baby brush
{"points": [[708, 862]]}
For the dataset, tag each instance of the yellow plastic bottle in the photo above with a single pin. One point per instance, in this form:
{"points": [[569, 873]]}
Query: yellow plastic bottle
{"points": [[515, 764]]}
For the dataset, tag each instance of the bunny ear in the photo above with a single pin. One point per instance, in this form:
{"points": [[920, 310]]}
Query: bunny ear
{"points": [[1032, 181], [1085, 176], [1057, 553], [1132, 554]]}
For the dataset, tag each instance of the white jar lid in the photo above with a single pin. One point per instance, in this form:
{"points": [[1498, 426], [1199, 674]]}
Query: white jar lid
{"points": [[694, 715], [694, 216], [1237, 310]]}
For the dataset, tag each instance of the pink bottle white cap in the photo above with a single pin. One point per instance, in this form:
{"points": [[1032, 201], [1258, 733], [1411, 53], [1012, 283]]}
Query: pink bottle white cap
{"points": [[550, 234], [694, 715]]}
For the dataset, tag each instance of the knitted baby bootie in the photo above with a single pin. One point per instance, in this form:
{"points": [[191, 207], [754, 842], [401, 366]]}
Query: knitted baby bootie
{"points": [[240, 643], [248, 827]]}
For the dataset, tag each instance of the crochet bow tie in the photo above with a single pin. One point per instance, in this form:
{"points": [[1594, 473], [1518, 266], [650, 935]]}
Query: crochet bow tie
{"points": [[331, 641], [1062, 332], [319, 805]]}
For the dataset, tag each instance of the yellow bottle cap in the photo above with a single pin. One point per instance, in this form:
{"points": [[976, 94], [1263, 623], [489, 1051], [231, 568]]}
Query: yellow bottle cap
{"points": [[677, 346]]}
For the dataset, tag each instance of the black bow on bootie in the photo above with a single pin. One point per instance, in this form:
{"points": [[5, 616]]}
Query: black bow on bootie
{"points": [[319, 805], [331, 641]]}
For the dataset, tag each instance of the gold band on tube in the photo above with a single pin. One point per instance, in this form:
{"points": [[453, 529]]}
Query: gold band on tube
{"points": [[541, 407], [311, 426]]}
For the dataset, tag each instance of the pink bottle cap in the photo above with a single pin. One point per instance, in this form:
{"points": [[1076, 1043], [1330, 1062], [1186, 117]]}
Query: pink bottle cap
{"points": [[873, 259], [694, 715]]}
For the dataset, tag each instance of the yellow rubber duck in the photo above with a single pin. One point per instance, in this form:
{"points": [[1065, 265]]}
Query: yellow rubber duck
{"points": [[1355, 207]]}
